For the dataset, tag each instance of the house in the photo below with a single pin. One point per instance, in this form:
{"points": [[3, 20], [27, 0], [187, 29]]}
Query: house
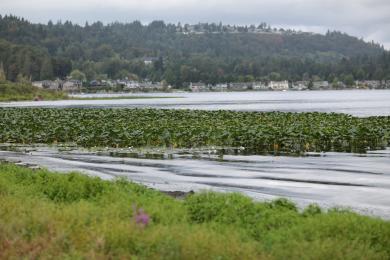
{"points": [[300, 85], [278, 85], [131, 85], [148, 85], [161, 86], [321, 85], [240, 86], [198, 87], [220, 87], [38, 84], [102, 83], [373, 84], [54, 85], [72, 85], [259, 86], [97, 83], [150, 60], [387, 84], [360, 84], [339, 85]]}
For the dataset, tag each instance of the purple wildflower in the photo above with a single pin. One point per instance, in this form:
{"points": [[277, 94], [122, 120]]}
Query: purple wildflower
{"points": [[141, 218]]}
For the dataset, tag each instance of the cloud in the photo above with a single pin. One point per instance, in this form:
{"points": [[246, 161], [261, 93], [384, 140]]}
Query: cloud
{"points": [[369, 19]]}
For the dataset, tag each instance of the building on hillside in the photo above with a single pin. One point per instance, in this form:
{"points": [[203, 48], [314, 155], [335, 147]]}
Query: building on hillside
{"points": [[72, 85], [149, 60], [278, 85]]}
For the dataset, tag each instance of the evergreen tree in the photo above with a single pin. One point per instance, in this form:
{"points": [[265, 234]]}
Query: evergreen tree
{"points": [[46, 69], [2, 72], [27, 65]]}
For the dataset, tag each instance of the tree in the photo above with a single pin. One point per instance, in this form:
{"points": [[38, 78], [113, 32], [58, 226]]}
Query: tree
{"points": [[22, 79], [274, 76], [27, 65], [62, 67], [2, 72], [171, 77], [46, 69], [76, 74], [349, 80]]}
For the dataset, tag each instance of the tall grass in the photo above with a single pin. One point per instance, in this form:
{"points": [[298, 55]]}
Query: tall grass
{"points": [[52, 215]]}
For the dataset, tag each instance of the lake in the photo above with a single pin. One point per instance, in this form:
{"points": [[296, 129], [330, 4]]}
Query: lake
{"points": [[358, 181], [355, 102]]}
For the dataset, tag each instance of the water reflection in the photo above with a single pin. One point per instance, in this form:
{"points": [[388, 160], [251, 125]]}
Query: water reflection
{"points": [[354, 102]]}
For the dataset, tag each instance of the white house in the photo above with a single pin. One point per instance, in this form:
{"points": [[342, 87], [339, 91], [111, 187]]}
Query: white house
{"points": [[278, 85], [38, 84], [150, 60], [259, 86]]}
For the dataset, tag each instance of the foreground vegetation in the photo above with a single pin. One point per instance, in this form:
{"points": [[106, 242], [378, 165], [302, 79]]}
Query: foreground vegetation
{"points": [[269, 132], [47, 215], [10, 91]]}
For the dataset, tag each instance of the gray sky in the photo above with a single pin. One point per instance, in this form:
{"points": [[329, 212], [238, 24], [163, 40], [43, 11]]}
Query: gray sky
{"points": [[368, 19]]}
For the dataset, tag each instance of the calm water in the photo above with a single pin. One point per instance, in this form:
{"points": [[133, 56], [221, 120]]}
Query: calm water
{"points": [[354, 102], [360, 182]]}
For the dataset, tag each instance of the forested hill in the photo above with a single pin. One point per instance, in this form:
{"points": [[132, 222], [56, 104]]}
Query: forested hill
{"points": [[183, 53]]}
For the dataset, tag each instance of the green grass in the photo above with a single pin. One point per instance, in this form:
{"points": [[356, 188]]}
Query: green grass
{"points": [[10, 91], [51, 215], [269, 132]]}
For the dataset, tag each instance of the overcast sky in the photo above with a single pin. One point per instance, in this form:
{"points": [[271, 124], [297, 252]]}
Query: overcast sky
{"points": [[369, 19]]}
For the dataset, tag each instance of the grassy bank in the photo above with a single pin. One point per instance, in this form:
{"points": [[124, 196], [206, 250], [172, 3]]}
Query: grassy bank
{"points": [[47, 215], [10, 91], [270, 132]]}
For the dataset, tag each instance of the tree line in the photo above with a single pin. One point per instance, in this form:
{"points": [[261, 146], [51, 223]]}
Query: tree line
{"points": [[31, 51]]}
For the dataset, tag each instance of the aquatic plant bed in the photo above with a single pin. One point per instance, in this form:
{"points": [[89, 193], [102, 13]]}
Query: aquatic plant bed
{"points": [[272, 131], [52, 215]]}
